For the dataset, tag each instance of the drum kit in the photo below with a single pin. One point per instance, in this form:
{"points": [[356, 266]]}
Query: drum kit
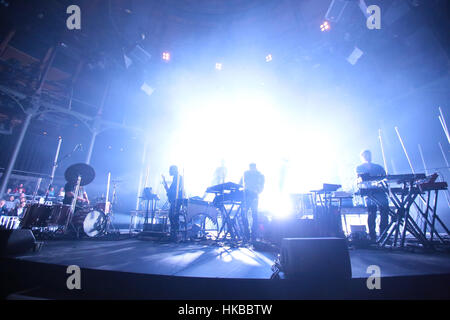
{"points": [[201, 218], [70, 219]]}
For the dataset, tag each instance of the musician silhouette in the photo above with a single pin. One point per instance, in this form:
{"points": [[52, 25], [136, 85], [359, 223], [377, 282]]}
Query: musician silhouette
{"points": [[175, 197], [220, 174], [253, 182], [381, 203]]}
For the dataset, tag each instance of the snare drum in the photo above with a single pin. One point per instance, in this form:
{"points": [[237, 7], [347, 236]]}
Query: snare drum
{"points": [[91, 222]]}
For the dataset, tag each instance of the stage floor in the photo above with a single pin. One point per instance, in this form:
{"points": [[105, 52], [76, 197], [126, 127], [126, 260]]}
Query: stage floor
{"points": [[212, 261]]}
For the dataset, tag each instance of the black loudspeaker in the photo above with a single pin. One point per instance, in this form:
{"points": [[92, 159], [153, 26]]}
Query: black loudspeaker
{"points": [[16, 241], [321, 259], [278, 229]]}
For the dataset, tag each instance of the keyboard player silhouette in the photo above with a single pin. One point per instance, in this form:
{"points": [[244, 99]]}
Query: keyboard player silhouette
{"points": [[382, 204]]}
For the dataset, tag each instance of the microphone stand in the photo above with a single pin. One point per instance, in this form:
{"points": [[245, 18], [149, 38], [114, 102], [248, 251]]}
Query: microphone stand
{"points": [[56, 163]]}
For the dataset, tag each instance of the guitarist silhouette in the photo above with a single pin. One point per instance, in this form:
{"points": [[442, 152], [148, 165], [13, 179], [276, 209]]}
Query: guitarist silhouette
{"points": [[175, 197]]}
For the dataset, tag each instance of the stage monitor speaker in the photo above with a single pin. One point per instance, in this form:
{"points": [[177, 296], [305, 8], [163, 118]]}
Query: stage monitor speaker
{"points": [[16, 241], [320, 259], [278, 229]]}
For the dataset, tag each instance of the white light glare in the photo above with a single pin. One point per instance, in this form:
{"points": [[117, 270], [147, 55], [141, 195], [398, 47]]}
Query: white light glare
{"points": [[325, 26], [166, 56]]}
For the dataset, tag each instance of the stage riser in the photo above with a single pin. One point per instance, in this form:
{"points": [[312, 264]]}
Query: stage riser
{"points": [[98, 284]]}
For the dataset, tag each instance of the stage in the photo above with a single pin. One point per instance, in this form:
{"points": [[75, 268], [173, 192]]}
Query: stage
{"points": [[211, 261], [208, 271]]}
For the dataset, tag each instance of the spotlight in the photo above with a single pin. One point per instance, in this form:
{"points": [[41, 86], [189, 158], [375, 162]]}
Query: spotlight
{"points": [[166, 56], [218, 66], [147, 89], [269, 58], [325, 26], [354, 56]]}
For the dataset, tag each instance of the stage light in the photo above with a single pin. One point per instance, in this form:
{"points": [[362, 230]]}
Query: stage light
{"points": [[325, 26], [268, 58], [279, 205], [218, 66], [147, 89], [354, 56], [166, 56]]}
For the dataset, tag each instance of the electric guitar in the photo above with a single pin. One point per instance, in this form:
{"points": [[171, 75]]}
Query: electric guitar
{"points": [[164, 182]]}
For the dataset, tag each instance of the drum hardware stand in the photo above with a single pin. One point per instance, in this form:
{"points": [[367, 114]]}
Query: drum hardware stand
{"points": [[110, 214], [36, 189], [73, 205], [55, 165]]}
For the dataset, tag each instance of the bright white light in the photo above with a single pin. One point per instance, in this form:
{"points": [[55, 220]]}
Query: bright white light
{"points": [[166, 56], [279, 205], [249, 126], [268, 58], [325, 26], [218, 66], [297, 147]]}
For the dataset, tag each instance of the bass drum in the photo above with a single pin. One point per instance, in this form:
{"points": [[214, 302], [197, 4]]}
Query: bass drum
{"points": [[195, 207], [36, 216], [60, 215], [91, 222]]}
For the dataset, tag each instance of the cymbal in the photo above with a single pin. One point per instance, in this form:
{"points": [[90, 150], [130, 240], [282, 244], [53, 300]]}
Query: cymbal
{"points": [[85, 171]]}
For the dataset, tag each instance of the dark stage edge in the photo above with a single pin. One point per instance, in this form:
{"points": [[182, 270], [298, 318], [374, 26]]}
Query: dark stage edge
{"points": [[137, 269]]}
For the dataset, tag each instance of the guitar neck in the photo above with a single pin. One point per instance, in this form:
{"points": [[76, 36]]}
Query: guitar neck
{"points": [[165, 183]]}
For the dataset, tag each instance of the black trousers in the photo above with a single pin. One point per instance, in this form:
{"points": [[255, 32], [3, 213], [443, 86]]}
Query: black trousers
{"points": [[251, 203], [381, 205], [174, 217]]}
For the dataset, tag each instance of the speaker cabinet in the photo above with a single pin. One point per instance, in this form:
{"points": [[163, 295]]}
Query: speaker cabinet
{"points": [[18, 241], [315, 258], [278, 229]]}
